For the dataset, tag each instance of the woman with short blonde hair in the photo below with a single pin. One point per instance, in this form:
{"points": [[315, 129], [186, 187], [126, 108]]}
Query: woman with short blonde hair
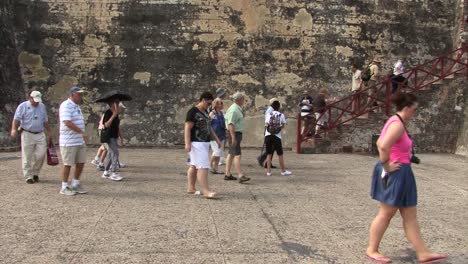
{"points": [[219, 127]]}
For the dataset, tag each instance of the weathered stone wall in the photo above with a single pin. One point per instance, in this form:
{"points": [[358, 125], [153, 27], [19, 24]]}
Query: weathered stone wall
{"points": [[166, 52], [11, 89], [462, 143]]}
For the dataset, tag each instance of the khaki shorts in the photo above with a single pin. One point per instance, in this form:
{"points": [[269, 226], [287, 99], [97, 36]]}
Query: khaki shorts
{"points": [[73, 155]]}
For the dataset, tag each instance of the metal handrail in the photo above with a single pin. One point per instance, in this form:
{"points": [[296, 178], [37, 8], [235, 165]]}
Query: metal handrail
{"points": [[379, 94]]}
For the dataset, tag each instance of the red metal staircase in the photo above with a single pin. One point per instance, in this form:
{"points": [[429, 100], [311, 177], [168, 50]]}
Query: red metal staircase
{"points": [[418, 78]]}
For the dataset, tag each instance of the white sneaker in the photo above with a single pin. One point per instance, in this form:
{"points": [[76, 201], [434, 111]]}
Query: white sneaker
{"points": [[106, 174], [286, 173], [122, 165], [95, 162], [67, 191], [115, 177], [268, 173], [79, 189]]}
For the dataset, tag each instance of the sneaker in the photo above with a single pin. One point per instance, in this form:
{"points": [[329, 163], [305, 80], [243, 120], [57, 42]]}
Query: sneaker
{"points": [[268, 173], [95, 162], [229, 178], [79, 189], [115, 177], [29, 181], [100, 168], [106, 174], [243, 179], [122, 165], [286, 173], [35, 178], [67, 191]]}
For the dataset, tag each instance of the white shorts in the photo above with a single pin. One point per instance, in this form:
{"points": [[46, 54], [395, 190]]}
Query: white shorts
{"points": [[200, 155], [321, 120], [217, 152]]}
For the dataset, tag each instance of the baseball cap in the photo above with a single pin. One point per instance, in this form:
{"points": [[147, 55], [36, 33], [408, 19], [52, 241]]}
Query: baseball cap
{"points": [[220, 92], [36, 96], [274, 99], [75, 89], [238, 95]]}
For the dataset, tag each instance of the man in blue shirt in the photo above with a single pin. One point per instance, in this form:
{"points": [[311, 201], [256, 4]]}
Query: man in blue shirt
{"points": [[31, 119]]}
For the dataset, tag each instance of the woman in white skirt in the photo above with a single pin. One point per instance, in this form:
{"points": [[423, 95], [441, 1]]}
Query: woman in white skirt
{"points": [[198, 134]]}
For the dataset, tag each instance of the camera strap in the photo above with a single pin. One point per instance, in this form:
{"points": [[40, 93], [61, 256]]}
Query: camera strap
{"points": [[404, 125]]}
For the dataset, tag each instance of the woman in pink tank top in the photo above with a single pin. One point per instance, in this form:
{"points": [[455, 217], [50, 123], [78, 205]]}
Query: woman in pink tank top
{"points": [[394, 185]]}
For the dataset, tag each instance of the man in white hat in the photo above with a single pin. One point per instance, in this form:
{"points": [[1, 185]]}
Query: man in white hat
{"points": [[31, 119], [72, 141], [375, 77]]}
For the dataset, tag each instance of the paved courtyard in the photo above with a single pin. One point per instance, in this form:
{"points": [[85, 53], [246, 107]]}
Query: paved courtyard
{"points": [[319, 215]]}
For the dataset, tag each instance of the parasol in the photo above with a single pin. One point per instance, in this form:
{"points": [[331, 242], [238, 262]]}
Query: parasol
{"points": [[113, 95]]}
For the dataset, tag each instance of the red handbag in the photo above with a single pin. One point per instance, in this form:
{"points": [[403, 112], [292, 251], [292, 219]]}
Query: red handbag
{"points": [[52, 158]]}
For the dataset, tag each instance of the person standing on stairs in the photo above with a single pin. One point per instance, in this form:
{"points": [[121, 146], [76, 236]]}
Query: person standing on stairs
{"points": [[375, 77], [356, 83]]}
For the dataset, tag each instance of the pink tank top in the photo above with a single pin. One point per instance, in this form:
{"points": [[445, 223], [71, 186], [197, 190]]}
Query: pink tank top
{"points": [[401, 150]]}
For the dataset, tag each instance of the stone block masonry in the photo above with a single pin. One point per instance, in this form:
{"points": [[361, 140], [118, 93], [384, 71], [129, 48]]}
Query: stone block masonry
{"points": [[165, 53]]}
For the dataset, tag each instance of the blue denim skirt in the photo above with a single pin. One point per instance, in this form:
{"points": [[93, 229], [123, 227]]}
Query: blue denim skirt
{"points": [[398, 190]]}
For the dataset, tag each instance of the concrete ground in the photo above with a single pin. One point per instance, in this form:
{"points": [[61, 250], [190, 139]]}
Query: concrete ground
{"points": [[319, 215]]}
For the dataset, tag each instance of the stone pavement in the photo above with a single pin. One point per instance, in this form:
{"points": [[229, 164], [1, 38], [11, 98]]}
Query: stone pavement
{"points": [[319, 215]]}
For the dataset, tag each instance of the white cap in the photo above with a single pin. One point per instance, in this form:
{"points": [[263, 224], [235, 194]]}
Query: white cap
{"points": [[36, 96]]}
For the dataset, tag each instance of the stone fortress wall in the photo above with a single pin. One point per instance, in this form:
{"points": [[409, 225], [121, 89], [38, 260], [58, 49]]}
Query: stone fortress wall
{"points": [[166, 52]]}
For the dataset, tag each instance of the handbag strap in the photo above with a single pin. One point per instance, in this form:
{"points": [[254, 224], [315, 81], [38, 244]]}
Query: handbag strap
{"points": [[101, 122], [404, 125]]}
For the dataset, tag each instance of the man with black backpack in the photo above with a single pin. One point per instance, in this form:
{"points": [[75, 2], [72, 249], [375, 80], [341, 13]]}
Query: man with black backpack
{"points": [[263, 155], [274, 123]]}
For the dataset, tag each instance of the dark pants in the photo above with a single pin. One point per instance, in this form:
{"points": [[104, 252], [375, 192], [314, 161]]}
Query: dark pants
{"points": [[396, 81], [263, 154]]}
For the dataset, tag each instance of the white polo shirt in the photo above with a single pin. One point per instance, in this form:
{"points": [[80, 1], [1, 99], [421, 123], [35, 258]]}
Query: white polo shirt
{"points": [[71, 112]]}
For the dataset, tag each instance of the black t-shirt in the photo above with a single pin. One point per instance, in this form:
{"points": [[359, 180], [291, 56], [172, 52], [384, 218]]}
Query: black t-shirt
{"points": [[114, 127], [201, 125], [320, 103]]}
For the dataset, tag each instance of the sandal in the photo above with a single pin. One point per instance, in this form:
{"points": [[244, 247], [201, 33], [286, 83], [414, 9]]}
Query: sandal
{"points": [[211, 195], [229, 178], [215, 172]]}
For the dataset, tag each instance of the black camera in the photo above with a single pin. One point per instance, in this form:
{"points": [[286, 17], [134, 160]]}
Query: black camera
{"points": [[415, 159]]}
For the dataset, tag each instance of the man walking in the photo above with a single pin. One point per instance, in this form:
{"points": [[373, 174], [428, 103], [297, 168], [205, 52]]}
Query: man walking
{"points": [[72, 141], [263, 155], [31, 119], [235, 124]]}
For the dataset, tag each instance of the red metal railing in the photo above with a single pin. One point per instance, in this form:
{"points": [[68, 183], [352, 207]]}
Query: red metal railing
{"points": [[378, 96]]}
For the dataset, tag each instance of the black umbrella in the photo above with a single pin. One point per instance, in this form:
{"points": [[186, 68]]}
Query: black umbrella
{"points": [[113, 95]]}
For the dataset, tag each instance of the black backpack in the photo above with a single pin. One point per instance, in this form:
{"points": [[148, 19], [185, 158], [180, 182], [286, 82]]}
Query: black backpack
{"points": [[366, 74], [274, 125]]}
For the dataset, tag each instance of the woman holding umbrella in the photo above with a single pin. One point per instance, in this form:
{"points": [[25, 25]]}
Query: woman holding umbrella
{"points": [[111, 123]]}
